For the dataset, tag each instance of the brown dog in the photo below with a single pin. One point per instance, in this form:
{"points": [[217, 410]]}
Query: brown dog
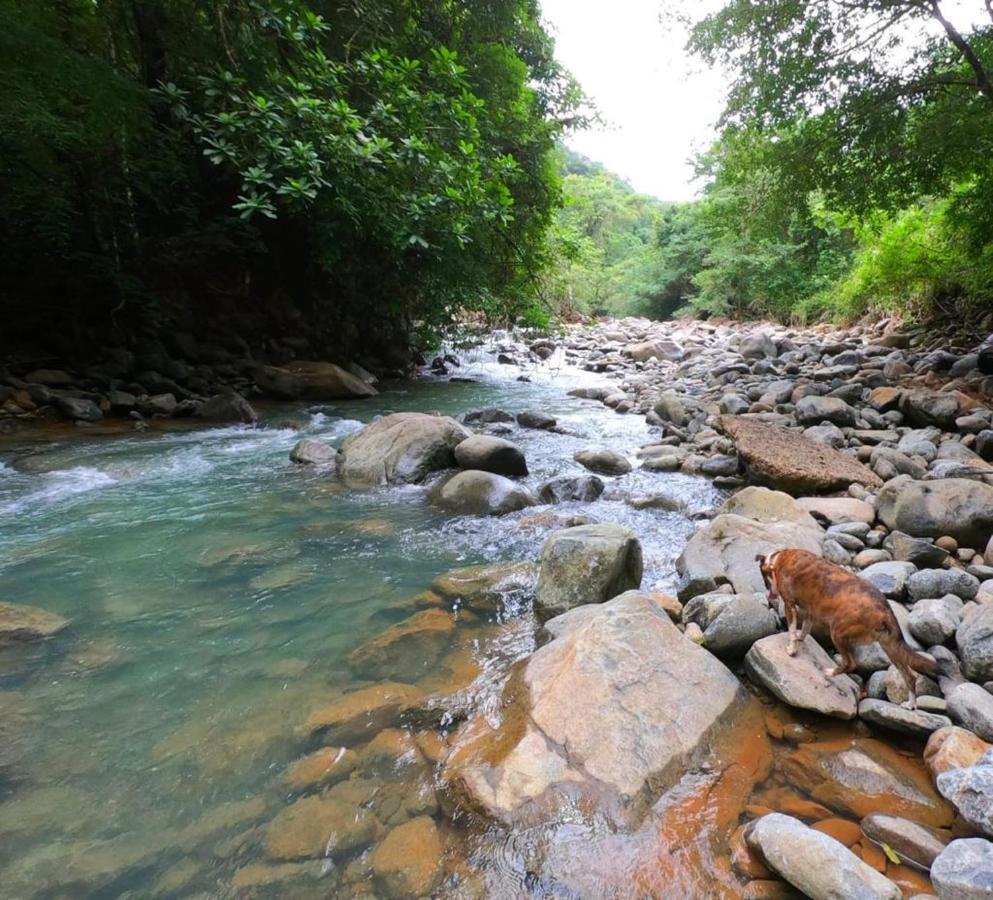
{"points": [[818, 592]]}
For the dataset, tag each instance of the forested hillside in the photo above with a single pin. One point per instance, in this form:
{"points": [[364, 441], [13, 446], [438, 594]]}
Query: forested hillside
{"points": [[853, 174], [332, 172]]}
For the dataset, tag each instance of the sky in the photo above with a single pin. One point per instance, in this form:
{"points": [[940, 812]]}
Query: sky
{"points": [[659, 102]]}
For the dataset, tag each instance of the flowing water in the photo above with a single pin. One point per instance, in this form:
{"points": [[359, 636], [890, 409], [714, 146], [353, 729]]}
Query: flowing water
{"points": [[214, 591]]}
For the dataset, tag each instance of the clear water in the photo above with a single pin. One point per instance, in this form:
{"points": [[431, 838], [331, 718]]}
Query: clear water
{"points": [[214, 590]]}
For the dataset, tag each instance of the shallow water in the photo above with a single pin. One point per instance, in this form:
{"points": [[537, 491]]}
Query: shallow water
{"points": [[214, 590]]}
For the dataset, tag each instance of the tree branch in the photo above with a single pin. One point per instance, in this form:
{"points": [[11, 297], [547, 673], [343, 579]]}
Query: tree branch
{"points": [[983, 83]]}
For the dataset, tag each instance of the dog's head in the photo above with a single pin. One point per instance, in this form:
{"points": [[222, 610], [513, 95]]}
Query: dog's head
{"points": [[768, 575]]}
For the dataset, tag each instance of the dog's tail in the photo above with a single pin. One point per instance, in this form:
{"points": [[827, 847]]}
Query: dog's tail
{"points": [[902, 655]]}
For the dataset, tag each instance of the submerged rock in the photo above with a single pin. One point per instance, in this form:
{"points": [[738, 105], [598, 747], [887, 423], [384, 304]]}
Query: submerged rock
{"points": [[322, 767], [818, 865], [363, 713], [475, 493], [486, 588], [407, 650], [618, 701], [27, 623], [586, 564], [400, 448], [408, 862], [315, 827]]}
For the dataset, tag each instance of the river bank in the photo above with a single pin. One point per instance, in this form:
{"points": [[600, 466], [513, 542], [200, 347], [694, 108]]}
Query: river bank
{"points": [[419, 728]]}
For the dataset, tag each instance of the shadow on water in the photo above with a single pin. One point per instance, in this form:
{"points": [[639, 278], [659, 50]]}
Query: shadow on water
{"points": [[215, 592]]}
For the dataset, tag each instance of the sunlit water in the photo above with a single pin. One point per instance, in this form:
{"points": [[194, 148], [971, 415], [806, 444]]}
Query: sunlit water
{"points": [[214, 590]]}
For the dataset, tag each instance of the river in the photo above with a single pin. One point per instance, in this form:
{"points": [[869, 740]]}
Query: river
{"points": [[214, 590]]}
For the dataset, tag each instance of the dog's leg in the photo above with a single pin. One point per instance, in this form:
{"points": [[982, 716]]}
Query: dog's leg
{"points": [[791, 624], [911, 681], [847, 661], [798, 637]]}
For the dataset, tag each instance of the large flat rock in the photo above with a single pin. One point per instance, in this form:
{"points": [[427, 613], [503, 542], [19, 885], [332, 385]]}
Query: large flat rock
{"points": [[790, 462], [960, 507], [620, 700], [800, 680]]}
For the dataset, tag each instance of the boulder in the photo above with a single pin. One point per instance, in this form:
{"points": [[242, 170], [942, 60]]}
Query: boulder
{"points": [[971, 706], [78, 408], [800, 680], [310, 380], [923, 408], [539, 420], [586, 564], [788, 461], [320, 768], [934, 620], [958, 507], [670, 408], [816, 864], [856, 776], [942, 583], [475, 493], [953, 747], [895, 717], [724, 550], [487, 416], [764, 505], [811, 410], [400, 448], [662, 349], [27, 623], [890, 577], [491, 454], [838, 510], [618, 703], [964, 870], [569, 489], [907, 839], [757, 345], [311, 452], [974, 639], [603, 462], [970, 791], [227, 407], [731, 623]]}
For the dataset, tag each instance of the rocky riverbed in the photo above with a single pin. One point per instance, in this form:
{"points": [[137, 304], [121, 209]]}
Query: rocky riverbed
{"points": [[599, 713]]}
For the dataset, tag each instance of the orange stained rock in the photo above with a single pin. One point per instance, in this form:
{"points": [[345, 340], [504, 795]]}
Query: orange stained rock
{"points": [[909, 880], [872, 855], [842, 830]]}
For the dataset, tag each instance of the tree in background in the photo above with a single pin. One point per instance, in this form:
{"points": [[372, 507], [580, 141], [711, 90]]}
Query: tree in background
{"points": [[855, 145]]}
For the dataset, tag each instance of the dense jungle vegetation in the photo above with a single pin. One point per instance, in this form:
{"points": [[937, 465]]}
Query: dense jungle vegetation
{"points": [[340, 170], [853, 172], [349, 172]]}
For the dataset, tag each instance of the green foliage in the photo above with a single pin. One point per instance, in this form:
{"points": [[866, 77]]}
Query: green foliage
{"points": [[604, 241], [384, 157], [853, 172]]}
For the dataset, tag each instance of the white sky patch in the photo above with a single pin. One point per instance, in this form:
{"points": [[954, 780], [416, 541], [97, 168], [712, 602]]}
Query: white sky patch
{"points": [[659, 102]]}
